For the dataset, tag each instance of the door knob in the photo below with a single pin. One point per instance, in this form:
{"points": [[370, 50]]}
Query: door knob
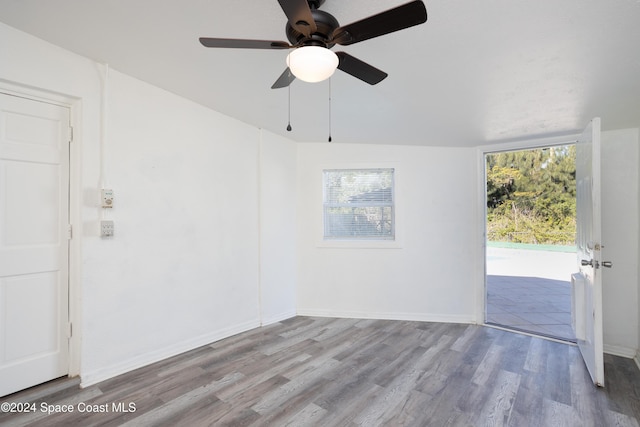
{"points": [[593, 263], [607, 264]]}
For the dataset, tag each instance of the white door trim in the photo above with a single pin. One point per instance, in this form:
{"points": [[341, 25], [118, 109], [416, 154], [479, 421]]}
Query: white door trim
{"points": [[75, 204]]}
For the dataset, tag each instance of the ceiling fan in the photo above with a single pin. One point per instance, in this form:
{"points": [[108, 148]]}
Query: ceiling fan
{"points": [[312, 33]]}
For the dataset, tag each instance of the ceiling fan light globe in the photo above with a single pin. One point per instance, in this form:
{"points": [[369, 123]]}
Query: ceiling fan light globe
{"points": [[312, 63]]}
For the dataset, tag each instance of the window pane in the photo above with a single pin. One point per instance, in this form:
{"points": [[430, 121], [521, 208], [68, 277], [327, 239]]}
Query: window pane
{"points": [[358, 204]]}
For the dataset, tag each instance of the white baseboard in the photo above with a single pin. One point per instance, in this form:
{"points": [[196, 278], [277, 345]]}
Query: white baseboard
{"points": [[617, 350], [278, 318], [637, 359], [98, 375], [418, 317]]}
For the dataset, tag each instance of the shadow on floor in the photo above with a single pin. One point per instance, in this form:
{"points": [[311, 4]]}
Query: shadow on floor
{"points": [[530, 304]]}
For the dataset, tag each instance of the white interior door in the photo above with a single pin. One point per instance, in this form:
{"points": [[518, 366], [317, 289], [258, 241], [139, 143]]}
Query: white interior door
{"points": [[34, 218], [588, 305]]}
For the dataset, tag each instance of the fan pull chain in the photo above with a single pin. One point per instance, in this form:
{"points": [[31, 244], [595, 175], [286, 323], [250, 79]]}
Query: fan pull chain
{"points": [[289, 117], [329, 109]]}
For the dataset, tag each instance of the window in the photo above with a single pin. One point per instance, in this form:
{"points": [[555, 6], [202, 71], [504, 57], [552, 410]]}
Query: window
{"points": [[358, 204]]}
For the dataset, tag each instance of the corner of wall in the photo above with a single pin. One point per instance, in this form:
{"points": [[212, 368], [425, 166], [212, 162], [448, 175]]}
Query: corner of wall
{"points": [[637, 358], [278, 318]]}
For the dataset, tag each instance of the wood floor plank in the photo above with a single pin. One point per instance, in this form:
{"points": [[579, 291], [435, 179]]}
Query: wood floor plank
{"points": [[282, 396], [309, 371], [498, 406], [339, 394], [258, 374], [489, 366], [343, 415], [529, 402], [516, 351], [557, 414], [557, 384], [309, 415], [237, 409], [380, 411], [409, 411], [185, 402], [403, 363], [535, 360]]}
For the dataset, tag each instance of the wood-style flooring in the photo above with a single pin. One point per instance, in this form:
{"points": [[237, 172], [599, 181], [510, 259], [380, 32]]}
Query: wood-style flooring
{"points": [[347, 372]]}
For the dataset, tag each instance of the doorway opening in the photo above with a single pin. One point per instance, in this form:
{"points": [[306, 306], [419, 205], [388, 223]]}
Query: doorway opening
{"points": [[530, 247]]}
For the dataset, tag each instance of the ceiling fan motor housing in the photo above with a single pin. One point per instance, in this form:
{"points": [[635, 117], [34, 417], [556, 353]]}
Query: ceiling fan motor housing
{"points": [[325, 23]]}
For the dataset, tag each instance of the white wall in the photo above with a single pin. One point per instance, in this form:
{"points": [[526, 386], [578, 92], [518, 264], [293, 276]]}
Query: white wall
{"points": [[183, 268], [430, 276], [278, 228], [620, 220]]}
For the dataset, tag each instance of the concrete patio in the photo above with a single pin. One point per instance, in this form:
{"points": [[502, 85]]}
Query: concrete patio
{"points": [[530, 290]]}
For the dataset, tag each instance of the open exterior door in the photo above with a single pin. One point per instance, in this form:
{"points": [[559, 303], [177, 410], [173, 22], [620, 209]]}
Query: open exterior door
{"points": [[587, 284]]}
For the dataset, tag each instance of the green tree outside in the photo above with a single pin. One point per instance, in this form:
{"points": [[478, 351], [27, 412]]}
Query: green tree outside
{"points": [[531, 196]]}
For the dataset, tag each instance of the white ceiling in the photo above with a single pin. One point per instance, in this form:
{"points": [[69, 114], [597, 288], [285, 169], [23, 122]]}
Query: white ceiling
{"points": [[476, 72]]}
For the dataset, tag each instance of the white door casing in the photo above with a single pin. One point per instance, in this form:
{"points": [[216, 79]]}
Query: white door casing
{"points": [[34, 245], [589, 251]]}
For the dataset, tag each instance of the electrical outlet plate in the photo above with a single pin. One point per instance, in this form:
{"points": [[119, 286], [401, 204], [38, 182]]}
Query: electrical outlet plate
{"points": [[106, 228], [107, 197]]}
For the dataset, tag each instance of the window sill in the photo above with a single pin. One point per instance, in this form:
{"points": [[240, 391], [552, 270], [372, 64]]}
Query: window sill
{"points": [[359, 244]]}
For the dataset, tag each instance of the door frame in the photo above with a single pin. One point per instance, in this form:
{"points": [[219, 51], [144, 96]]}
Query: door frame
{"points": [[75, 203], [482, 151]]}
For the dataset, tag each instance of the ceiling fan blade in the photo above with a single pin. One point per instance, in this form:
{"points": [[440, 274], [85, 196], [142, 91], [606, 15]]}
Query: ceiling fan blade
{"points": [[284, 80], [299, 16], [399, 18], [244, 43], [358, 69]]}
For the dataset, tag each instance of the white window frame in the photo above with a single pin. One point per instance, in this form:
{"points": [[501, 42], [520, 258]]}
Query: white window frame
{"points": [[367, 243]]}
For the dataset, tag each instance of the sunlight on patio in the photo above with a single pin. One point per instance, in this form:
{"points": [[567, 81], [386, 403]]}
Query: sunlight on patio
{"points": [[530, 290]]}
